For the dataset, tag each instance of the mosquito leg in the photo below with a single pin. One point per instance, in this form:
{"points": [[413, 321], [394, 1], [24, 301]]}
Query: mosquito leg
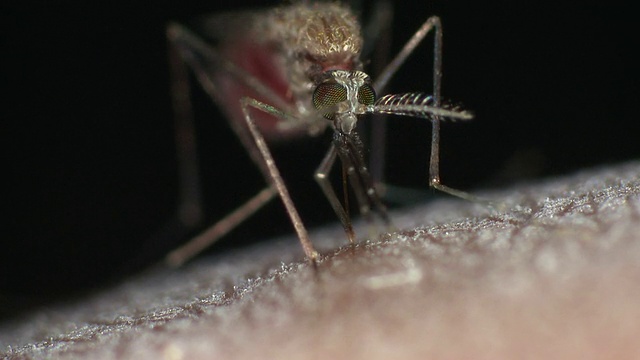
{"points": [[274, 173], [385, 76], [209, 236], [190, 194], [434, 160], [202, 59], [359, 178], [416, 39], [434, 169], [187, 51], [322, 178], [379, 128], [379, 32], [377, 35]]}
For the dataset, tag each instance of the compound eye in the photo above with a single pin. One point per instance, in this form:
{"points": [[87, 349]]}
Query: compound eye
{"points": [[327, 95], [366, 95]]}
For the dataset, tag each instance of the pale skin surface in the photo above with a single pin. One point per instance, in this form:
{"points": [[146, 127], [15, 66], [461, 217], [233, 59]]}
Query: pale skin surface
{"points": [[555, 276]]}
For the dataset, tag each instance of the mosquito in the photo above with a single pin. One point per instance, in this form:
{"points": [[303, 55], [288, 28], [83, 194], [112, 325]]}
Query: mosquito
{"points": [[292, 71]]}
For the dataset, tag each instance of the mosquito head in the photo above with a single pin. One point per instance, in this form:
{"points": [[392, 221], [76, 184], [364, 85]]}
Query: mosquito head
{"points": [[345, 94]]}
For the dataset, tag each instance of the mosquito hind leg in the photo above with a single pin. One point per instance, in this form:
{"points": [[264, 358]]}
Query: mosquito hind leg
{"points": [[187, 52], [190, 209], [209, 236]]}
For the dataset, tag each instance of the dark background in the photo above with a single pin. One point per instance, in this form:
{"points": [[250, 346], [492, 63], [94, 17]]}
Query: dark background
{"points": [[87, 131]]}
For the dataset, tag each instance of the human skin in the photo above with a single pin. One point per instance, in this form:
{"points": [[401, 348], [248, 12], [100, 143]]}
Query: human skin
{"points": [[551, 273]]}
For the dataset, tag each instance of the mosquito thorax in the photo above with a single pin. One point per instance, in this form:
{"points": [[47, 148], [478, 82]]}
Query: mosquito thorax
{"points": [[345, 94]]}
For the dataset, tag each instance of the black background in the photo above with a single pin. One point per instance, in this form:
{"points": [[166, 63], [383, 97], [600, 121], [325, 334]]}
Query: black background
{"points": [[87, 131]]}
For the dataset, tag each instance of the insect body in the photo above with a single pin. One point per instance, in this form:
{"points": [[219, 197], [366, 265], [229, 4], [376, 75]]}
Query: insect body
{"points": [[295, 71]]}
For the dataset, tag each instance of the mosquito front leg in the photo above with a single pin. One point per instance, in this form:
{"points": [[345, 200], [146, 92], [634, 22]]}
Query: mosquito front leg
{"points": [[322, 178], [274, 174], [409, 47], [434, 160], [359, 178]]}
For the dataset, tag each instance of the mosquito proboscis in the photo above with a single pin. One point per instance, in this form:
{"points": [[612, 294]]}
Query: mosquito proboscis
{"points": [[295, 71]]}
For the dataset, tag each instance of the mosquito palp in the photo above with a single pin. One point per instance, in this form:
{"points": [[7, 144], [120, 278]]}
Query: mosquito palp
{"points": [[295, 71]]}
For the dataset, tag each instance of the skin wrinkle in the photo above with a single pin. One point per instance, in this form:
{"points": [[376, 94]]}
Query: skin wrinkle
{"points": [[554, 276]]}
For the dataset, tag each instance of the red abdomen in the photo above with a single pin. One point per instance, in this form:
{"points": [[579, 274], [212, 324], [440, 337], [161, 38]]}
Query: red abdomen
{"points": [[258, 60]]}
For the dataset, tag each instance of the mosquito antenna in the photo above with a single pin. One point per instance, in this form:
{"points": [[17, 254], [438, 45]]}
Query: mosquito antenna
{"points": [[418, 105]]}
